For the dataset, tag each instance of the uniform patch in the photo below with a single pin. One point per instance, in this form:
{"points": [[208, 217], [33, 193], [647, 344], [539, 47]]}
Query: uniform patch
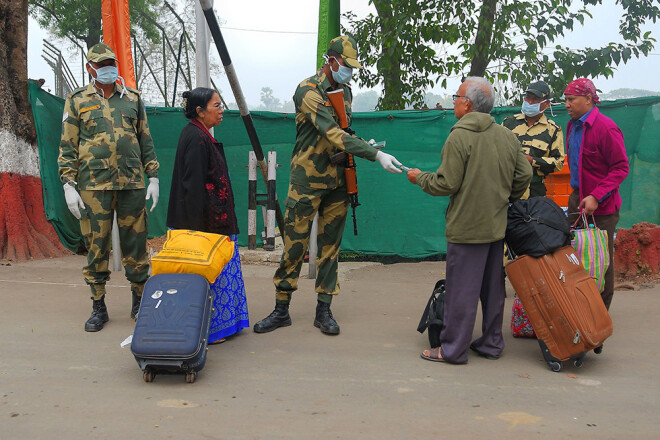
{"points": [[93, 107]]}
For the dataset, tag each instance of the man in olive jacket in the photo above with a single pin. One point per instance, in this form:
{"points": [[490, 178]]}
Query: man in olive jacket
{"points": [[483, 169]]}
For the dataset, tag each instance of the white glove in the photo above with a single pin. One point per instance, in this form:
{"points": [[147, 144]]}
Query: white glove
{"points": [[388, 162], [152, 191], [73, 200]]}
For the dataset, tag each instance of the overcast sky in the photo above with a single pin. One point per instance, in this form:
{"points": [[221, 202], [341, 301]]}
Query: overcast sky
{"points": [[273, 44]]}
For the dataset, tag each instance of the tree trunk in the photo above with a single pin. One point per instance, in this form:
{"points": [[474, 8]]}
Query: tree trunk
{"points": [[390, 67], [482, 42], [94, 20], [24, 231]]}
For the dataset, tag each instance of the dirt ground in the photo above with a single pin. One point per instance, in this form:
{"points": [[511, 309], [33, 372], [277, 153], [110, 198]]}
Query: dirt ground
{"points": [[59, 382]]}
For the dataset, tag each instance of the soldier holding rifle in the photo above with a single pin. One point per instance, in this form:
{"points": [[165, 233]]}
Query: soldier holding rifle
{"points": [[318, 184]]}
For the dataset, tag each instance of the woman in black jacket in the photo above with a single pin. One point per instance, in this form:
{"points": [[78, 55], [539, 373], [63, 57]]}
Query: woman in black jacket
{"points": [[201, 199]]}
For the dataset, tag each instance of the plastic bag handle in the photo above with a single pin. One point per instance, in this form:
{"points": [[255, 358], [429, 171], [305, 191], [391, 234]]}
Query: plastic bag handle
{"points": [[583, 217]]}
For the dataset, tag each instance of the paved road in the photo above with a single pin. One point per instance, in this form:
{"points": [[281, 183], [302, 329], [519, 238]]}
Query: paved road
{"points": [[58, 382]]}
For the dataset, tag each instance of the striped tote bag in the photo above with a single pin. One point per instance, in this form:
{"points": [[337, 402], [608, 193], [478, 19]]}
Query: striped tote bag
{"points": [[591, 246]]}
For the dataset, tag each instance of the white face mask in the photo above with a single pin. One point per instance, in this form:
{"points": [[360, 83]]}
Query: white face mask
{"points": [[343, 75], [531, 109], [106, 75]]}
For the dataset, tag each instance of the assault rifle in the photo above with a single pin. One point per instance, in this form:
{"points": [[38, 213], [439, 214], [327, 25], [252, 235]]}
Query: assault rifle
{"points": [[337, 100]]}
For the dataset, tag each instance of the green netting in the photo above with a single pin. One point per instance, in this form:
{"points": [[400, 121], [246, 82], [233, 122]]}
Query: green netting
{"points": [[395, 217]]}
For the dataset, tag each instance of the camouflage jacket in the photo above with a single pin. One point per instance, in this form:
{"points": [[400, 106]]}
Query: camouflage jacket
{"points": [[543, 141], [318, 136], [106, 143]]}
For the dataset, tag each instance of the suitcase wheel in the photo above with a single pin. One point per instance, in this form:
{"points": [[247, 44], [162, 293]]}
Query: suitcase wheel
{"points": [[148, 375], [578, 363], [191, 376], [555, 366]]}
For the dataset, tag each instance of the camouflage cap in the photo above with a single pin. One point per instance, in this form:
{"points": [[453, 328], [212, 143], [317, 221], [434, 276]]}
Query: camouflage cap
{"points": [[347, 48], [539, 88], [100, 52]]}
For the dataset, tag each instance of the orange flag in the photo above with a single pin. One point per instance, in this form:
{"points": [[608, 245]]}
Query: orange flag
{"points": [[117, 35]]}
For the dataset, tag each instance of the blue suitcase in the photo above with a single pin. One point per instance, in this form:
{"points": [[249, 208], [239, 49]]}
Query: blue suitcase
{"points": [[172, 327]]}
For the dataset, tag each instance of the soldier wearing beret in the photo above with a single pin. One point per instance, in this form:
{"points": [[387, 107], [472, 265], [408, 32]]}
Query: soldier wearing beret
{"points": [[541, 138], [105, 151], [318, 185]]}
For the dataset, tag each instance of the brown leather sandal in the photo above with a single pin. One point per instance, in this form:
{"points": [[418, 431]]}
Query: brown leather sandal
{"points": [[433, 355]]}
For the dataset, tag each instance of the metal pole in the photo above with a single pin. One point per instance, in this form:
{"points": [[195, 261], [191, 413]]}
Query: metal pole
{"points": [[207, 7], [270, 214], [60, 78], [135, 63], [252, 201], [176, 75], [116, 247], [183, 28], [165, 40], [188, 80], [164, 68], [150, 70], [202, 73]]}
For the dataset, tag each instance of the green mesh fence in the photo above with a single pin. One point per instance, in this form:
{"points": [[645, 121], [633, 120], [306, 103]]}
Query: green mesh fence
{"points": [[395, 217]]}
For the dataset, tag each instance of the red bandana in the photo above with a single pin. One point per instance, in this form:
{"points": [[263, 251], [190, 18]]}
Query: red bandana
{"points": [[582, 87]]}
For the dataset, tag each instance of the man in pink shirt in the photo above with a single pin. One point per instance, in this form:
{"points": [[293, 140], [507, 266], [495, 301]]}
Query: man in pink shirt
{"points": [[598, 163]]}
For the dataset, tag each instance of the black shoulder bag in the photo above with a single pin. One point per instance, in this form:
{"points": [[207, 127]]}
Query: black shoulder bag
{"points": [[433, 316]]}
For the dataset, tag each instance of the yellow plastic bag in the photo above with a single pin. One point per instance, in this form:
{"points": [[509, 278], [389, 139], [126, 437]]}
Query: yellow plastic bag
{"points": [[187, 251]]}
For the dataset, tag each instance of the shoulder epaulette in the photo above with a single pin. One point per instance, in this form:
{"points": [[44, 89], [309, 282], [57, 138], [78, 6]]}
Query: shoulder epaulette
{"points": [[131, 89], [509, 120], [76, 91], [553, 123]]}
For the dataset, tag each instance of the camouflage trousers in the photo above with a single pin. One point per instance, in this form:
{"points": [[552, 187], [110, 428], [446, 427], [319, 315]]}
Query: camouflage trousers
{"points": [[302, 204], [96, 227], [537, 187]]}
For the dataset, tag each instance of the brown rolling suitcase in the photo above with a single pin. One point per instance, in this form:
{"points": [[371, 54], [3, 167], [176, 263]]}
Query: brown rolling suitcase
{"points": [[563, 305]]}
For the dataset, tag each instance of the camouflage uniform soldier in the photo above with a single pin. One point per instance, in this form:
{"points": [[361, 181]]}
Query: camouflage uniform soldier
{"points": [[319, 185], [106, 150], [541, 138]]}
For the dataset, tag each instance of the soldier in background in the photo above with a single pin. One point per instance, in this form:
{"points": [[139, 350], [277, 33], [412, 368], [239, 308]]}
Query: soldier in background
{"points": [[318, 185], [541, 138], [105, 151]]}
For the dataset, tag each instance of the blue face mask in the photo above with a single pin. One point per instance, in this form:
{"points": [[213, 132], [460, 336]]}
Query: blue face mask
{"points": [[343, 75], [106, 74], [531, 109]]}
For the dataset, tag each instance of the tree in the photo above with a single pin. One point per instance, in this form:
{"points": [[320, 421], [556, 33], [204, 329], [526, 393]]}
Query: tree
{"points": [[627, 93], [365, 101], [24, 231], [81, 19], [416, 44], [270, 102], [156, 27], [438, 101]]}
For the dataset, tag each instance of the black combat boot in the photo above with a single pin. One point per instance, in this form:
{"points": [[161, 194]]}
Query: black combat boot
{"points": [[324, 319], [135, 307], [99, 316], [278, 318]]}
